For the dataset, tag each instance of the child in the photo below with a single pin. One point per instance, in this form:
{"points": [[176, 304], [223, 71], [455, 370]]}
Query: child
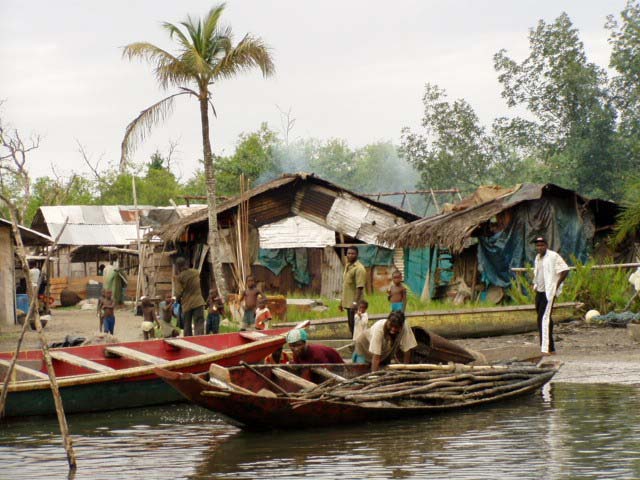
{"points": [[250, 296], [216, 310], [148, 318], [360, 324], [397, 293], [165, 323], [263, 315], [106, 307]]}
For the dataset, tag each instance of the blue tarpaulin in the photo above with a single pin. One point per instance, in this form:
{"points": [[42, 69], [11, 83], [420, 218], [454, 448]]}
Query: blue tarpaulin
{"points": [[421, 264], [555, 219], [370, 255]]}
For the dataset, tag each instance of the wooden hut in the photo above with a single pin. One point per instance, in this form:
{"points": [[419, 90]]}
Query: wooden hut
{"points": [[490, 232], [9, 274], [291, 234]]}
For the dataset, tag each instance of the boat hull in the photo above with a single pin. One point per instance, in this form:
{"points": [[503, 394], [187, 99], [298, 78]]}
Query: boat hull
{"points": [[129, 387], [461, 323], [256, 412]]}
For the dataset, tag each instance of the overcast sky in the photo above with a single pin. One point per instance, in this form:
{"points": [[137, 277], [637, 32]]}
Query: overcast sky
{"points": [[348, 69]]}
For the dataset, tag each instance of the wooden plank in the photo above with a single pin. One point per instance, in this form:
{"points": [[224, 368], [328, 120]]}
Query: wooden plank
{"points": [[132, 354], [180, 343], [79, 361], [292, 378], [252, 335], [25, 371], [326, 374]]}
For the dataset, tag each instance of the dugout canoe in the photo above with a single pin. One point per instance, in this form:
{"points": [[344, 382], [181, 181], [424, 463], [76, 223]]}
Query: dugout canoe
{"points": [[114, 376], [245, 399], [460, 323]]}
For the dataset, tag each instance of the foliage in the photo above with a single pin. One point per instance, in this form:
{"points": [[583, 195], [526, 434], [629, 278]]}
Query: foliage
{"points": [[628, 222], [602, 289]]}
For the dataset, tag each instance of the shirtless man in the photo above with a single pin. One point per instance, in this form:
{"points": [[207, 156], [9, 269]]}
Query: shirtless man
{"points": [[250, 296], [106, 307], [397, 293]]}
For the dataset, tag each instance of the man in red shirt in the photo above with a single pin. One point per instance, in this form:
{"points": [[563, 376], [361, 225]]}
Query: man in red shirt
{"points": [[304, 352]]}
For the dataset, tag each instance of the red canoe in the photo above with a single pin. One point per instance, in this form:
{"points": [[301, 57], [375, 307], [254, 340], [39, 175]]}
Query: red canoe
{"points": [[113, 376], [243, 400]]}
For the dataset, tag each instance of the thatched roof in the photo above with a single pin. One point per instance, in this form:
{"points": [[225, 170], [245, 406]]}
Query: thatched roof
{"points": [[174, 230], [453, 230]]}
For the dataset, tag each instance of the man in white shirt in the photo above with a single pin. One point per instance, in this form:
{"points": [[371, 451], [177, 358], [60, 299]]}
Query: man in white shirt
{"points": [[380, 343], [549, 271]]}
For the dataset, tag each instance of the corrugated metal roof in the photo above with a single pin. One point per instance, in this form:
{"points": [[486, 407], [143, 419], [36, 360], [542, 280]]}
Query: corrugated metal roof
{"points": [[95, 234], [295, 232], [347, 214], [30, 237]]}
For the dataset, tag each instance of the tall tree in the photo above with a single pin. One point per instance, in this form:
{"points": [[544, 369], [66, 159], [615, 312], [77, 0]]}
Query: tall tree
{"points": [[574, 119], [206, 54]]}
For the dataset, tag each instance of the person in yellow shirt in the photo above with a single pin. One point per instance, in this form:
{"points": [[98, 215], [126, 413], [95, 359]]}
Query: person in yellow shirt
{"points": [[354, 279]]}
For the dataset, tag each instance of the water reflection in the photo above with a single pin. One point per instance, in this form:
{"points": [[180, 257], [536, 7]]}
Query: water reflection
{"points": [[573, 431]]}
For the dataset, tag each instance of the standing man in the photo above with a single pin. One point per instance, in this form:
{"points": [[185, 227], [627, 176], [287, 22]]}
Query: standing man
{"points": [[549, 271], [189, 293], [354, 280]]}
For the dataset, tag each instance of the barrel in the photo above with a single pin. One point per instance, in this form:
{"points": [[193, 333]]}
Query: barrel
{"points": [[22, 302]]}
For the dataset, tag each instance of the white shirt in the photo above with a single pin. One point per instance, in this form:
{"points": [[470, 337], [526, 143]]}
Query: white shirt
{"points": [[373, 342], [360, 324], [549, 267]]}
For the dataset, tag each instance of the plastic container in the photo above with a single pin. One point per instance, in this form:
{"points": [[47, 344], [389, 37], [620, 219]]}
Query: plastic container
{"points": [[22, 302], [94, 290]]}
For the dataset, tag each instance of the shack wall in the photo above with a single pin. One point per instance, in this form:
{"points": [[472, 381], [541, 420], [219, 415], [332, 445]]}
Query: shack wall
{"points": [[7, 277]]}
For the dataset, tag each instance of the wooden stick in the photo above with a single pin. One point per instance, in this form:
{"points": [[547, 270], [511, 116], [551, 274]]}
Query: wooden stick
{"points": [[62, 420], [594, 267]]}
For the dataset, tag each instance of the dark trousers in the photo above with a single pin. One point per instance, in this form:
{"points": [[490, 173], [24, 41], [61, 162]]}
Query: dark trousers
{"points": [[541, 305], [195, 315], [351, 318], [213, 323]]}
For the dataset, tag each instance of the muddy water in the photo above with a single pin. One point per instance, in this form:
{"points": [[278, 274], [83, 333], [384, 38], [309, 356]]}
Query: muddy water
{"points": [[566, 431]]}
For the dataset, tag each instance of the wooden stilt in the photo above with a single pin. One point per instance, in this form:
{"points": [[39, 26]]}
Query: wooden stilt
{"points": [[33, 312]]}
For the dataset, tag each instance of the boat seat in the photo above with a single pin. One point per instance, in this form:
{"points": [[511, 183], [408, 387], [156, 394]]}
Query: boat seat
{"points": [[252, 335], [79, 361], [292, 378], [30, 373], [328, 375], [180, 343], [131, 354]]}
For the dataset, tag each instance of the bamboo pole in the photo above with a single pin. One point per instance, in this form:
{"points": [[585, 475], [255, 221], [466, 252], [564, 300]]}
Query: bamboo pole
{"points": [[594, 267], [33, 311], [140, 276]]}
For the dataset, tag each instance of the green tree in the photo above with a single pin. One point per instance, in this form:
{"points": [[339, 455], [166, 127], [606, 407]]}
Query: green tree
{"points": [[254, 157], [573, 131], [206, 55], [453, 150], [335, 161]]}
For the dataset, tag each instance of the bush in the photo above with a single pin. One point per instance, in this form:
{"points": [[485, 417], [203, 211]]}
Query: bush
{"points": [[605, 290]]}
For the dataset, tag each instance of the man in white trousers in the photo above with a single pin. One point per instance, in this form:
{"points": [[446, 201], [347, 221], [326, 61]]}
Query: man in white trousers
{"points": [[549, 271]]}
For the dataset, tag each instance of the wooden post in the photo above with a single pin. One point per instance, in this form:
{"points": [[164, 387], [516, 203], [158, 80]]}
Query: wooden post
{"points": [[140, 256], [33, 312], [435, 201]]}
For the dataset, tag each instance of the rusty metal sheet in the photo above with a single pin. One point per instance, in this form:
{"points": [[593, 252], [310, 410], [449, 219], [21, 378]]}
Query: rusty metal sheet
{"points": [[347, 214], [295, 232], [331, 286], [375, 222]]}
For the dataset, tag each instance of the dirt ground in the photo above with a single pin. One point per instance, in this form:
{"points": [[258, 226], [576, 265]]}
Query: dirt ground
{"points": [[590, 354]]}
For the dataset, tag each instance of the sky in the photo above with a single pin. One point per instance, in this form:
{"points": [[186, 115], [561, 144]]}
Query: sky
{"points": [[353, 70]]}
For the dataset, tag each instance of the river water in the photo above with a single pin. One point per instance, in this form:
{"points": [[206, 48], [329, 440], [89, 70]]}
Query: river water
{"points": [[567, 431]]}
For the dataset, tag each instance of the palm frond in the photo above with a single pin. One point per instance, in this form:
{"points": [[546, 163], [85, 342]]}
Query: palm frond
{"points": [[210, 23], [247, 54], [174, 31], [138, 129], [167, 68]]}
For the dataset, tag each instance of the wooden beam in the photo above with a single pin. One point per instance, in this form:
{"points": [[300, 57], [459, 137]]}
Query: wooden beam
{"points": [[79, 361], [252, 335], [328, 375], [593, 267], [26, 371], [180, 343], [131, 354], [292, 378]]}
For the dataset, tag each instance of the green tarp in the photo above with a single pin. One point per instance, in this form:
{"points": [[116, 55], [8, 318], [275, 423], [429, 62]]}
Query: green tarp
{"points": [[276, 259]]}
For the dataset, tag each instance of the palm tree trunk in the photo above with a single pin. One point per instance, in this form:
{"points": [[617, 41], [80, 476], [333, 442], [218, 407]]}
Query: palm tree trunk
{"points": [[213, 239]]}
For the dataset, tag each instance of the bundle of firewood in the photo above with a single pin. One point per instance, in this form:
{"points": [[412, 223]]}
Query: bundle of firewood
{"points": [[433, 385]]}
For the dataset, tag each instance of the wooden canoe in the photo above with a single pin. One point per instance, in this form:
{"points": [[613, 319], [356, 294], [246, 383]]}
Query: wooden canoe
{"points": [[114, 376], [460, 323], [242, 400]]}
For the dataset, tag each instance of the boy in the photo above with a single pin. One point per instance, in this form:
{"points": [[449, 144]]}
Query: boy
{"points": [[250, 296], [397, 293], [167, 329], [148, 318], [360, 325], [216, 310], [263, 314], [106, 307]]}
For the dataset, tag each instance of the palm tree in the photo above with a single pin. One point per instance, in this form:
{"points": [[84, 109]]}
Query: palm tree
{"points": [[206, 54]]}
